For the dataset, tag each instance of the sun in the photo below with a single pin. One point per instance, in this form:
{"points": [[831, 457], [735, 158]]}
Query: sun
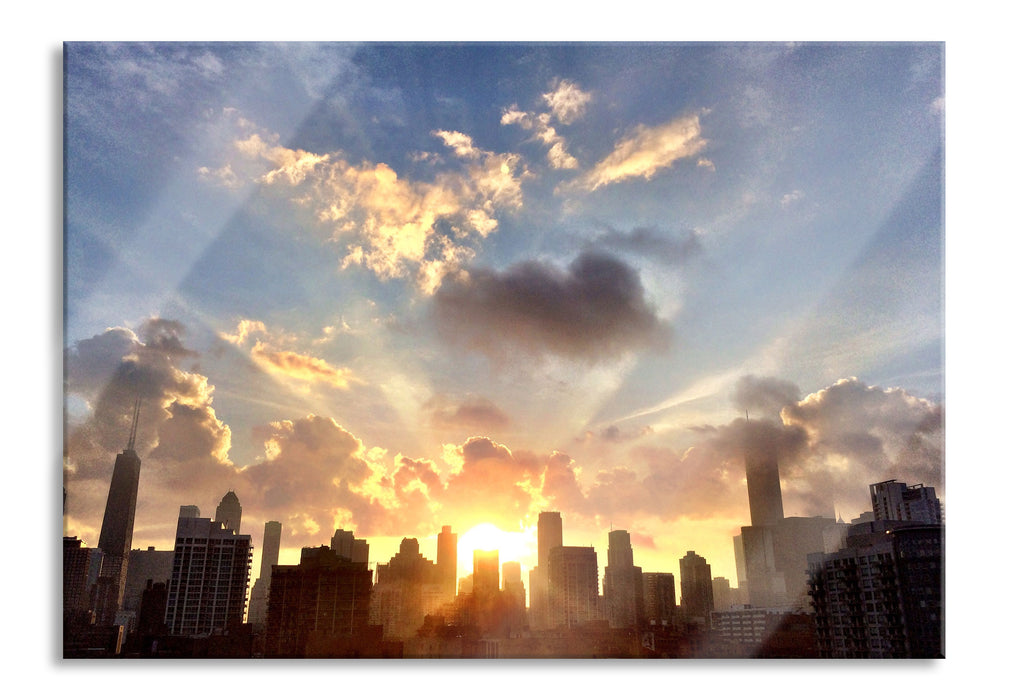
{"points": [[511, 546]]}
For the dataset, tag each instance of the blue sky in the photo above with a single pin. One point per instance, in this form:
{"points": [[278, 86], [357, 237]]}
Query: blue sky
{"points": [[388, 287]]}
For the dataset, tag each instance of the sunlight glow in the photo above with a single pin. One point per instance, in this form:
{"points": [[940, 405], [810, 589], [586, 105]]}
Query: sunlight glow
{"points": [[511, 546]]}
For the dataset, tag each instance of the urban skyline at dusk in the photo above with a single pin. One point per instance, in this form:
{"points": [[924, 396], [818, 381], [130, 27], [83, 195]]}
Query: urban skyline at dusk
{"points": [[391, 287]]}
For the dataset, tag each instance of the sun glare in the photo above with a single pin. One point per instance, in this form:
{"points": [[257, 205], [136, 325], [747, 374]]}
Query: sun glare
{"points": [[511, 546]]}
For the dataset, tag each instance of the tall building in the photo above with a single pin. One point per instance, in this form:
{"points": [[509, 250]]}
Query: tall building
{"points": [[762, 484], [76, 586], [771, 551], [893, 500], [116, 536], [881, 596], [659, 597], [549, 534], [261, 588], [406, 589], [210, 578], [351, 548], [573, 587], [145, 565], [325, 597], [229, 512], [486, 577], [696, 595], [623, 585], [448, 554]]}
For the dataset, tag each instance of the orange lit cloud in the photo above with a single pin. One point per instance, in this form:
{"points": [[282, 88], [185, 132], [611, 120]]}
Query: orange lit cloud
{"points": [[647, 150], [304, 367], [391, 223]]}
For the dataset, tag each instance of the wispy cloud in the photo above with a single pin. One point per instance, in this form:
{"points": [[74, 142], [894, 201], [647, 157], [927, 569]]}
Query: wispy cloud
{"points": [[646, 151]]}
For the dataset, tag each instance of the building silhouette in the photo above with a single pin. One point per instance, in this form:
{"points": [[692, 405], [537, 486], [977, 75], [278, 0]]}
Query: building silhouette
{"points": [[116, 536], [261, 588], [893, 500], [229, 512], [549, 534], [346, 545], [771, 551], [659, 593], [320, 603], [77, 563], [406, 589], [573, 587], [448, 555], [623, 585], [208, 589], [881, 596], [145, 564], [696, 595]]}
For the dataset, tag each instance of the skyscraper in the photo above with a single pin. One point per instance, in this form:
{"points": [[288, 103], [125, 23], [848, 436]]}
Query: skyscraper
{"points": [[210, 578], [696, 596], [406, 589], [116, 536], [660, 597], [486, 577], [229, 512], [261, 589], [763, 485], [573, 586], [623, 586], [549, 534], [448, 555]]}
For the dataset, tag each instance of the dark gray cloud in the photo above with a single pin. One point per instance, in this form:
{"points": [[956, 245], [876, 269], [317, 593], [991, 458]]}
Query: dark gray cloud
{"points": [[651, 244], [594, 310], [764, 396]]}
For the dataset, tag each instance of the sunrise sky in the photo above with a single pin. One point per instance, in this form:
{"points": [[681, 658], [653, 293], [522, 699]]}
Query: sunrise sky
{"points": [[390, 287]]}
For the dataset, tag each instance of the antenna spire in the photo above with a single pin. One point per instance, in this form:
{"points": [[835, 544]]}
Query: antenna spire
{"points": [[133, 428]]}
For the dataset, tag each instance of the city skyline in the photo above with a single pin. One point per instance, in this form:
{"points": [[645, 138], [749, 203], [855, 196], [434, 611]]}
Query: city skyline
{"points": [[387, 288]]}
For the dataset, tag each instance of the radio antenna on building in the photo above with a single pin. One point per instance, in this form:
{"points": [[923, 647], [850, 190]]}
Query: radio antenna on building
{"points": [[133, 428]]}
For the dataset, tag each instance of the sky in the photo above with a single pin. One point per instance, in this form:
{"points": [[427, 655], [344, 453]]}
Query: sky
{"points": [[388, 287]]}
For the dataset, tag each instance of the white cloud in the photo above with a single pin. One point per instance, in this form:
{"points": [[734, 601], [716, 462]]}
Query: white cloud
{"points": [[567, 102]]}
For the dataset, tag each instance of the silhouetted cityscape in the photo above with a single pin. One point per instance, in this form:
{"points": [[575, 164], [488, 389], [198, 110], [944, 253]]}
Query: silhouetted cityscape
{"points": [[809, 587]]}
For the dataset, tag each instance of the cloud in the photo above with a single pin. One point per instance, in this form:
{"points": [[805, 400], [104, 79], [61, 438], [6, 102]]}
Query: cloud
{"points": [[594, 310], [183, 444], [647, 150], [473, 413], [567, 101], [287, 364], [764, 395], [392, 225], [652, 244]]}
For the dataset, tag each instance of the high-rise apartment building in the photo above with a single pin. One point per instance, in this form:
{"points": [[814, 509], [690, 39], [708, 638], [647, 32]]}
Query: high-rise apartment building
{"points": [[573, 587], [325, 597], [659, 597], [623, 585], [229, 512], [76, 587], [210, 578], [881, 596], [261, 588], [893, 500], [696, 596], [116, 536], [145, 565]]}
